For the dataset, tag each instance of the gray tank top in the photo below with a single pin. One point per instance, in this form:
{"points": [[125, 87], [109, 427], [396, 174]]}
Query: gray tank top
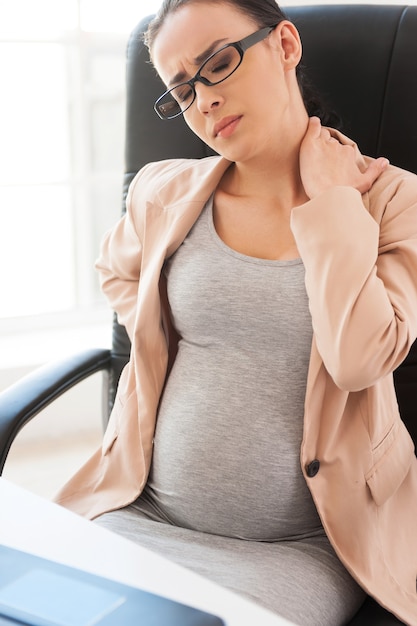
{"points": [[227, 442]]}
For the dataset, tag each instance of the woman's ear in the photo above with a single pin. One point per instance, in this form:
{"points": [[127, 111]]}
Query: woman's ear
{"points": [[286, 39]]}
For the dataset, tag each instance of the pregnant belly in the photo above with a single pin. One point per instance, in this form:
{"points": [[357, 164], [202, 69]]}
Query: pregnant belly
{"points": [[226, 455]]}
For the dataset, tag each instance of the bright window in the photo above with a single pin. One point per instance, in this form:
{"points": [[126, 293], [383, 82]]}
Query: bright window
{"points": [[61, 154]]}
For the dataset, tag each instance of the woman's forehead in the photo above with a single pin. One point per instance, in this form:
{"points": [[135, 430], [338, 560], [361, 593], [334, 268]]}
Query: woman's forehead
{"points": [[190, 34]]}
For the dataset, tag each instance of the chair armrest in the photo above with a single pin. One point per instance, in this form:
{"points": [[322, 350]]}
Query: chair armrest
{"points": [[373, 614], [20, 402]]}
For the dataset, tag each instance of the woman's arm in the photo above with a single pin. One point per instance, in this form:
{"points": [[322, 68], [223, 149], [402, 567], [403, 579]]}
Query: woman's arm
{"points": [[119, 264], [361, 275]]}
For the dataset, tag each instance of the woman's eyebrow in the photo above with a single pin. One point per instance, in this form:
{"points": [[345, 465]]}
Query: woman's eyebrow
{"points": [[198, 61]]}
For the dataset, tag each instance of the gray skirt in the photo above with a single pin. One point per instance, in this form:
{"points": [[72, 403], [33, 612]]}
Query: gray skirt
{"points": [[302, 581]]}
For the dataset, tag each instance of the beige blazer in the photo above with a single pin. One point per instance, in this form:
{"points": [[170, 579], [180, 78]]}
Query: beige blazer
{"points": [[360, 258]]}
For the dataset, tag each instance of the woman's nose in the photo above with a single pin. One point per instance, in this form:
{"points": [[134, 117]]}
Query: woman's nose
{"points": [[207, 98]]}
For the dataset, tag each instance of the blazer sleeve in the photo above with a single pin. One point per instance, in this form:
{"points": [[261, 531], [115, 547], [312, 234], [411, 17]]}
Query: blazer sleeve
{"points": [[119, 262], [361, 276]]}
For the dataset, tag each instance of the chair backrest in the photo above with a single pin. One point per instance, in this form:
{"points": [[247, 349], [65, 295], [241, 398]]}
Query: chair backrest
{"points": [[362, 58]]}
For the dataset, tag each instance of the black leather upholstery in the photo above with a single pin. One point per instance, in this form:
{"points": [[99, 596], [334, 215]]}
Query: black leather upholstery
{"points": [[22, 401], [363, 59]]}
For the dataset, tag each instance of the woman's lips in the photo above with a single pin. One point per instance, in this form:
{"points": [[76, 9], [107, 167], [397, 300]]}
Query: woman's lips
{"points": [[226, 126]]}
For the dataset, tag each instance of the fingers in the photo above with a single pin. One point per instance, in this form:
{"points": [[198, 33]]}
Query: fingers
{"points": [[327, 162], [373, 172], [314, 128], [381, 163], [316, 131]]}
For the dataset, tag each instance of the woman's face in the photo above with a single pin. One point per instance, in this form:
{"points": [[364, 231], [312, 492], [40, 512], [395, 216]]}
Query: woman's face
{"points": [[237, 117]]}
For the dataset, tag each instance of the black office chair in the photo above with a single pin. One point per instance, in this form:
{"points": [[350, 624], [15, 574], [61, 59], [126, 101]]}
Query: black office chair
{"points": [[363, 59]]}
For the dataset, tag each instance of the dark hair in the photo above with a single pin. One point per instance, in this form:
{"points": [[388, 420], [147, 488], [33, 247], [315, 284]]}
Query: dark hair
{"points": [[263, 13]]}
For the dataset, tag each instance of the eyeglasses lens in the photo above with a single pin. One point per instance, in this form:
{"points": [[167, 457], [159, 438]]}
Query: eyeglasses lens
{"points": [[216, 69], [220, 65]]}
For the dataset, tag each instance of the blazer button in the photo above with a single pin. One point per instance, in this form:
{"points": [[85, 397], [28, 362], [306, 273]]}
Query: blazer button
{"points": [[313, 468]]}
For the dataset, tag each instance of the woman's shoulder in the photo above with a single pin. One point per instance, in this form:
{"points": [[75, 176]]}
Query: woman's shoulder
{"points": [[160, 172], [172, 179], [395, 191]]}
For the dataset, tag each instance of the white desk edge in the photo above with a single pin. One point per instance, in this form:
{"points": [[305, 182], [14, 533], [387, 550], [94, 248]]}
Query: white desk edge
{"points": [[33, 524]]}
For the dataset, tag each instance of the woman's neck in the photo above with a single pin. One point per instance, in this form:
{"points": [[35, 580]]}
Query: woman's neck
{"points": [[276, 181], [274, 176]]}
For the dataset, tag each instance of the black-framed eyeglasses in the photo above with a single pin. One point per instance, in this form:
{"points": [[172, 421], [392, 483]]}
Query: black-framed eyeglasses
{"points": [[219, 66]]}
